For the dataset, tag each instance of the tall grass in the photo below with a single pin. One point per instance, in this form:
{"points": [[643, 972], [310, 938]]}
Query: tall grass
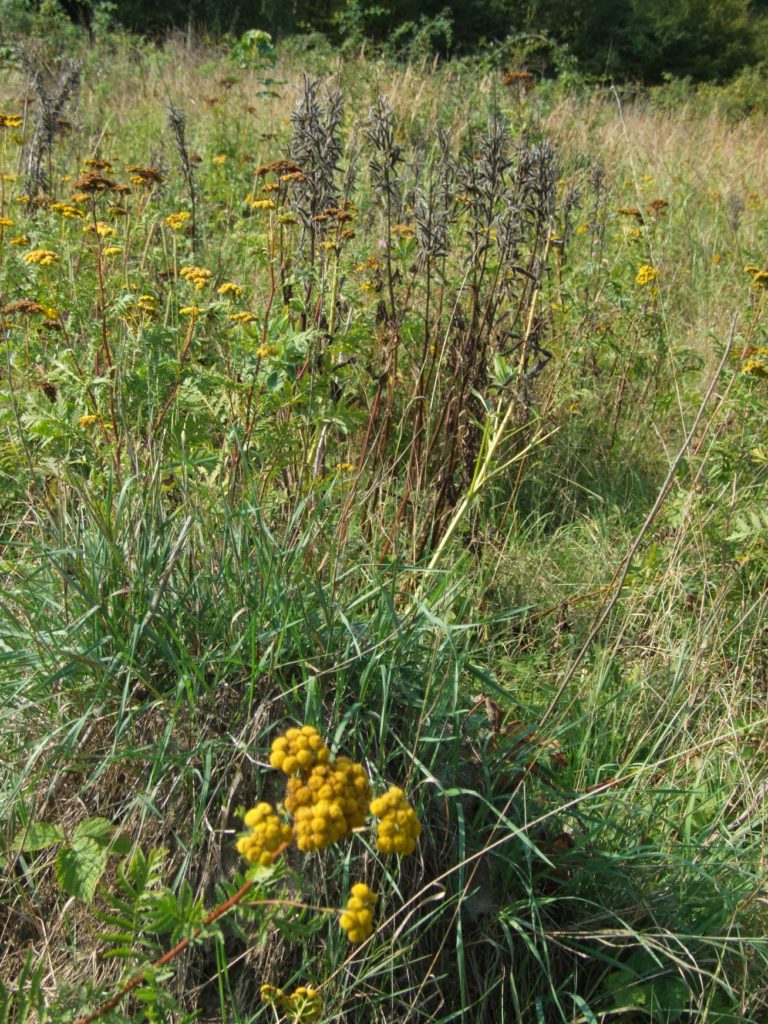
{"points": [[400, 504]]}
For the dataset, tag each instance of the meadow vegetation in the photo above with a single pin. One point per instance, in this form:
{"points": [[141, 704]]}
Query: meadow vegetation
{"points": [[424, 407]]}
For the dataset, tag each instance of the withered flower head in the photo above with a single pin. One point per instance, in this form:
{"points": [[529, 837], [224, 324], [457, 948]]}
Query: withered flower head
{"points": [[278, 167], [24, 306], [92, 182], [144, 175]]}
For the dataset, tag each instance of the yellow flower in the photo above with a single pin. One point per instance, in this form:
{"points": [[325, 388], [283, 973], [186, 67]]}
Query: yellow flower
{"points": [[399, 828], [67, 210], [242, 318], [5, 222], [264, 351], [220, 158], [20, 240], [357, 917], [645, 274], [112, 250], [304, 1005], [42, 257], [87, 421], [176, 221], [148, 303], [190, 311], [198, 277], [266, 837], [755, 368], [298, 750], [230, 288], [327, 801], [11, 121], [102, 230], [261, 204]]}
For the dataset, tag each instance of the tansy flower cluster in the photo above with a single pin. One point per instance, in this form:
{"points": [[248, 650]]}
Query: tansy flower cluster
{"points": [[304, 1005], [267, 835], [328, 802], [197, 276], [399, 828], [42, 257], [357, 917], [645, 275], [176, 221]]}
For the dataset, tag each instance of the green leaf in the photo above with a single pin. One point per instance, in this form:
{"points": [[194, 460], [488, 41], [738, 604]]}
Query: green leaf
{"points": [[79, 867], [99, 829], [38, 836]]}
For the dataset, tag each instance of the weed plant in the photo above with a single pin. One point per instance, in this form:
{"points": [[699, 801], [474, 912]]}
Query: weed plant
{"points": [[424, 409]]}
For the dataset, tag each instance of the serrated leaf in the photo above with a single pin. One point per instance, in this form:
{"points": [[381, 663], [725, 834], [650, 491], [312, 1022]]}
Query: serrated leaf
{"points": [[79, 867], [38, 836], [99, 829]]}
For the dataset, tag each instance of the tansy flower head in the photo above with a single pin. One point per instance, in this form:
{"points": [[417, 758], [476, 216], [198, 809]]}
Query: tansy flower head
{"points": [[176, 221], [357, 917], [87, 421], [147, 302], [260, 204], [267, 835], [10, 121], [298, 750], [102, 230], [112, 250], [5, 222], [67, 210], [754, 368], [190, 311], [243, 317], [645, 275], [399, 828], [220, 158], [327, 803], [304, 1005], [230, 288], [42, 257], [196, 276], [20, 240]]}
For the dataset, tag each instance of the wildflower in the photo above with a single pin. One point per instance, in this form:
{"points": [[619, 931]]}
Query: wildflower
{"points": [[112, 250], [754, 368], [298, 750], [292, 176], [399, 828], [286, 218], [220, 158], [98, 165], [260, 204], [25, 306], [102, 230], [67, 210], [657, 207], [264, 351], [271, 994], [344, 467], [5, 222], [304, 1005], [93, 182], [196, 276], [271, 186], [645, 274], [42, 257], [176, 221], [327, 802], [242, 317], [190, 311], [266, 837], [144, 175], [631, 211], [760, 278], [581, 229], [148, 303], [11, 121], [20, 240], [279, 167], [87, 421], [357, 917], [330, 245], [230, 288], [23, 199]]}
